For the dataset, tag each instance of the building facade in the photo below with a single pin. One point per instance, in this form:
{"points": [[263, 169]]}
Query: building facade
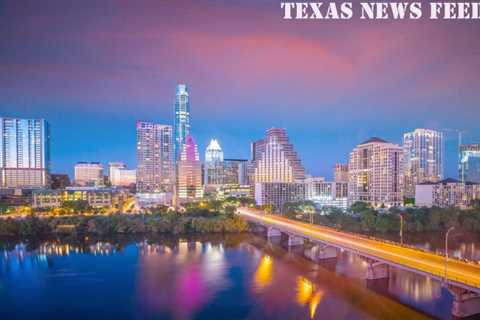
{"points": [[213, 166], [155, 167], [189, 177], [423, 154], [326, 193], [182, 118], [375, 173], [112, 168], [89, 174], [24, 153], [235, 172], [96, 198], [278, 194], [341, 172], [447, 193], [274, 159], [469, 169]]}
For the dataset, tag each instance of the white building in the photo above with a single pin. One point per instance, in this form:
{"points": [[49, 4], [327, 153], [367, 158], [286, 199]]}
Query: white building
{"points": [[213, 167], [375, 173], [446, 193], [89, 174], [326, 193], [279, 193]]}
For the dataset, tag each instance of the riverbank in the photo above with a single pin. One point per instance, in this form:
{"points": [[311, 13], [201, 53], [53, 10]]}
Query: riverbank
{"points": [[34, 226]]}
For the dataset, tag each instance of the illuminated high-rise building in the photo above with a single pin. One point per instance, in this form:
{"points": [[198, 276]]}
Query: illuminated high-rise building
{"points": [[113, 167], [235, 172], [189, 175], [24, 153], [155, 170], [469, 170], [423, 151], [274, 159], [182, 118], [375, 173], [213, 167]]}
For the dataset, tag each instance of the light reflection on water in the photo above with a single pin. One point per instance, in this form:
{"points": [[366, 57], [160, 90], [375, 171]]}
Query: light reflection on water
{"points": [[235, 277]]}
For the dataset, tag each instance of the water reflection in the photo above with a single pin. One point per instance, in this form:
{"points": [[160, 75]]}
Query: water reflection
{"points": [[202, 278]]}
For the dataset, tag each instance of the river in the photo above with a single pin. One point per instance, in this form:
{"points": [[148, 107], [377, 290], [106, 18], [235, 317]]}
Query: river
{"points": [[207, 277]]}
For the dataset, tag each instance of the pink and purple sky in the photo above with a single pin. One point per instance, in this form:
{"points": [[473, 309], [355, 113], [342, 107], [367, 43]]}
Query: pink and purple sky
{"points": [[92, 68]]}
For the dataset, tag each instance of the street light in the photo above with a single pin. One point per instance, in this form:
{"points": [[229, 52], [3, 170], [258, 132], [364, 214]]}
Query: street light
{"points": [[446, 253], [401, 228]]}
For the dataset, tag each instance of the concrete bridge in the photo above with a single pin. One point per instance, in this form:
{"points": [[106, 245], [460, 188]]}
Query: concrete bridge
{"points": [[461, 278]]}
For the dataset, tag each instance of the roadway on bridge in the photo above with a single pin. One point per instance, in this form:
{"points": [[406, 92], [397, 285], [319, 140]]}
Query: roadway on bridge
{"points": [[461, 273]]}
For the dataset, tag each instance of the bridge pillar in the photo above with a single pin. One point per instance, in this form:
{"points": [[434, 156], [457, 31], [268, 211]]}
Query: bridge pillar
{"points": [[273, 233], [324, 252], [377, 270], [465, 303], [294, 241]]}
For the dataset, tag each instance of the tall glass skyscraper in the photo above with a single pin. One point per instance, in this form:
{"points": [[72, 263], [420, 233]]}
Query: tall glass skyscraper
{"points": [[24, 153], [213, 170], [155, 172], [182, 118], [470, 163], [423, 158]]}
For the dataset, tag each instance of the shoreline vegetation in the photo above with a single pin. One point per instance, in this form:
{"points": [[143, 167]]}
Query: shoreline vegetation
{"points": [[215, 216], [196, 218]]}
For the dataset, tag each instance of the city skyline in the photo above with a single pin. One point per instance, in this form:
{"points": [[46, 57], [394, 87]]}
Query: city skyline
{"points": [[92, 81]]}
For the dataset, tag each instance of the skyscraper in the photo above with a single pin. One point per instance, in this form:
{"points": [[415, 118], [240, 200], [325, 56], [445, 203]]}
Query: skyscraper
{"points": [[423, 151], [274, 159], [155, 171], [24, 153], [89, 174], [469, 163], [375, 173], [213, 175], [182, 118], [189, 175]]}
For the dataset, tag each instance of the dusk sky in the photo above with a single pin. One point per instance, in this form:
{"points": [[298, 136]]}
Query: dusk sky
{"points": [[92, 68]]}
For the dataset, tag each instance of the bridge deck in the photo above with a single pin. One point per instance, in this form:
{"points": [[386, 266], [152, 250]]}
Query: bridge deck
{"points": [[462, 274]]}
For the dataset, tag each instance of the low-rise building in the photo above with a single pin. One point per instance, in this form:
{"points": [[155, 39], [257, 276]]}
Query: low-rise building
{"points": [[96, 197], [326, 193], [447, 193]]}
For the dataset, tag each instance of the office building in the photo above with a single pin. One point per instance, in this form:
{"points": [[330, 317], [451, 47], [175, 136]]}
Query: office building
{"points": [[278, 194], [423, 154], [235, 172], [124, 177], [447, 193], [24, 153], [189, 177], [326, 193], [469, 170], [113, 167], [182, 118], [89, 174], [274, 159], [341, 172], [375, 173], [155, 169], [95, 197], [213, 166]]}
